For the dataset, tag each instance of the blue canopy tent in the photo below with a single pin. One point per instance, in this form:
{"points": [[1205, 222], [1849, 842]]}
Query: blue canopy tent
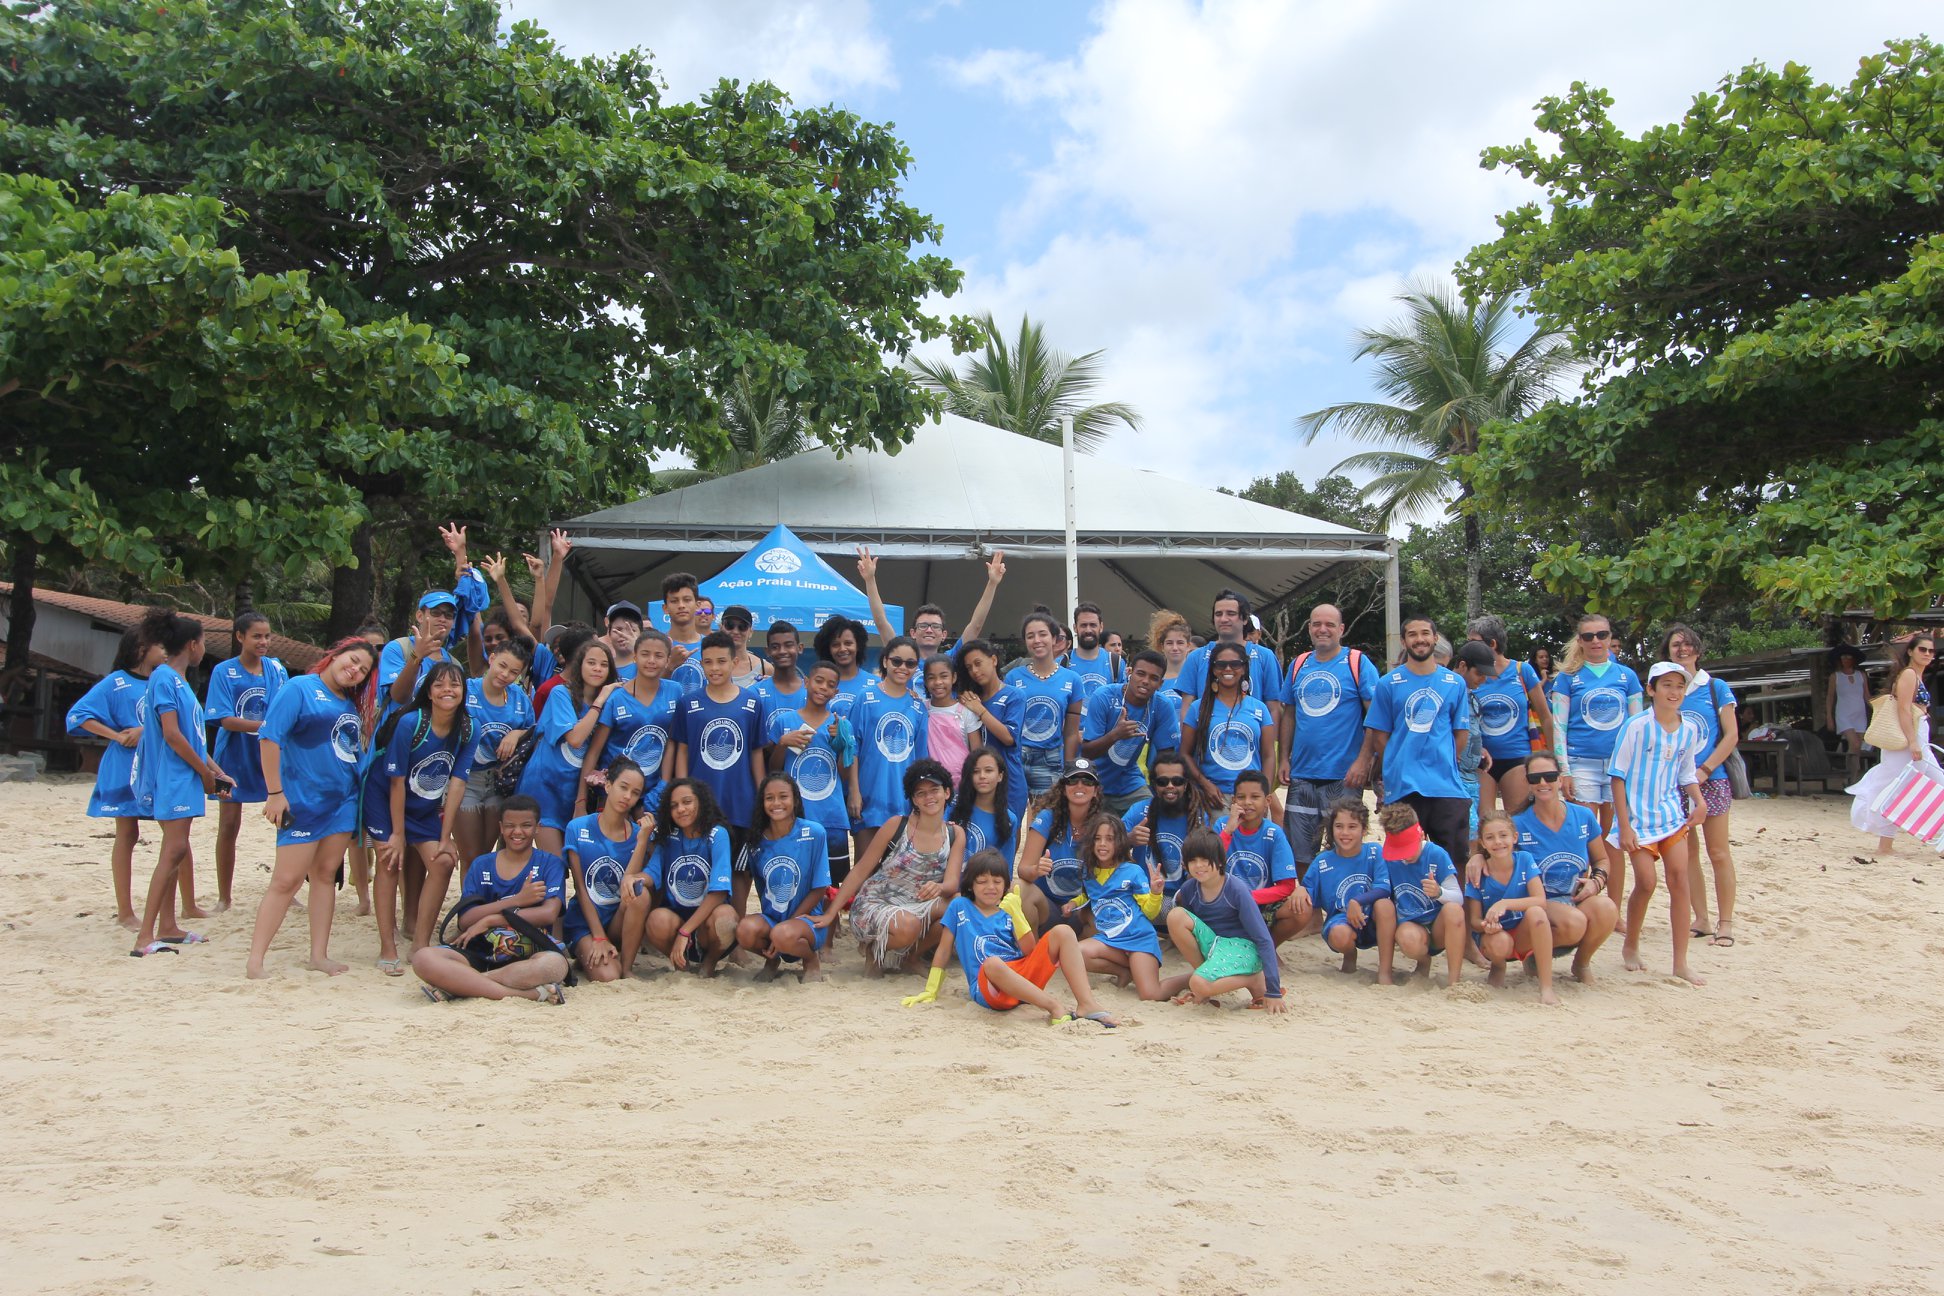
{"points": [[782, 579]]}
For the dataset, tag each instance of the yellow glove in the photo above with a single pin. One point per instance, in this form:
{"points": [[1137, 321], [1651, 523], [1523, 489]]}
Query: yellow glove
{"points": [[930, 993], [1016, 908]]}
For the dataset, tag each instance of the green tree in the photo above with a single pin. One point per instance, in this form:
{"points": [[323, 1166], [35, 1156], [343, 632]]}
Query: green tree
{"points": [[1759, 287], [602, 257], [760, 425], [157, 400], [1355, 589], [1446, 372], [1027, 387]]}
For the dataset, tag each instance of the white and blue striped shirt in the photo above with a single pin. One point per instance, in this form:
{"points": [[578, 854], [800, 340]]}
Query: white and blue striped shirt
{"points": [[1656, 765]]}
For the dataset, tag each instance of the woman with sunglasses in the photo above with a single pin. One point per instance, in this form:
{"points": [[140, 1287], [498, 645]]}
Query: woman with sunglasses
{"points": [[746, 669], [893, 725], [1710, 703], [1909, 661], [1050, 858], [1225, 730], [1572, 856], [1592, 696]]}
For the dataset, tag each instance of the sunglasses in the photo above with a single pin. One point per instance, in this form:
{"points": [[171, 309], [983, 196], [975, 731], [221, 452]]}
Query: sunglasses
{"points": [[1228, 665], [1594, 636], [1547, 776], [1170, 781], [735, 625], [906, 662], [1081, 778]]}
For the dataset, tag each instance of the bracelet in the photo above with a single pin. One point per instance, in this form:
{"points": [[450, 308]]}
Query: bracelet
{"points": [[273, 791]]}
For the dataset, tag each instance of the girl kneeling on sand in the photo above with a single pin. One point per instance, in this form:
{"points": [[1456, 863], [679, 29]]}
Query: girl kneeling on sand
{"points": [[907, 876], [607, 854], [1116, 892], [790, 861], [1507, 905]]}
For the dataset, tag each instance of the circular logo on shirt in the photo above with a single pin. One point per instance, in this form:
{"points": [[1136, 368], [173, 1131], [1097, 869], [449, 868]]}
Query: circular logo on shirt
{"points": [[722, 743], [604, 880], [815, 773], [1114, 915], [1408, 893], [646, 746], [1247, 863], [688, 880], [895, 736], [1127, 750], [1232, 745], [1421, 710], [429, 777], [1499, 714], [990, 945], [1318, 693], [1169, 844], [975, 840], [1561, 867], [778, 561], [486, 751], [781, 877], [1040, 722], [1065, 878], [1348, 888], [344, 737], [571, 755], [251, 703], [1604, 708]]}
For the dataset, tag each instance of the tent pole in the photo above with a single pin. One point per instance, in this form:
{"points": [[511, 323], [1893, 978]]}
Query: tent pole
{"points": [[1072, 549], [1393, 613]]}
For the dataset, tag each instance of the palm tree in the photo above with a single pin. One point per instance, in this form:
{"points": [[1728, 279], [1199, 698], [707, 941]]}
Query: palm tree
{"points": [[1028, 388], [762, 424], [1445, 371]]}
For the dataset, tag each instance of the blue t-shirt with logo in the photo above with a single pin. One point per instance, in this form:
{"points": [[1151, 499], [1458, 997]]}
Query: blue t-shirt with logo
{"points": [[850, 691], [1043, 707], [166, 786], [1333, 881], [552, 773], [1119, 766], [977, 937], [428, 764], [602, 862], [1063, 852], [1405, 879], [772, 699], [1096, 674], [1504, 711], [120, 701], [1258, 858], [1007, 705], [1166, 832], [1233, 741], [1490, 891], [483, 883], [690, 868], [1703, 704], [982, 832], [1562, 854], [391, 664], [720, 737], [491, 721], [1117, 916], [1598, 701], [893, 734], [1265, 673], [1423, 714], [789, 868], [643, 732], [1328, 702], [236, 694], [318, 738]]}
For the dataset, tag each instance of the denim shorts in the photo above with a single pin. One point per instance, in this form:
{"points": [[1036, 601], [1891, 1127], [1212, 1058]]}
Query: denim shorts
{"points": [[1043, 765]]}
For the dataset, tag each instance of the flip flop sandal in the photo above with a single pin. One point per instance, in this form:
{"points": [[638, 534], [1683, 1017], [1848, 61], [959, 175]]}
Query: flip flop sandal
{"points": [[552, 993], [392, 967], [435, 994], [153, 947], [187, 938], [1101, 1019]]}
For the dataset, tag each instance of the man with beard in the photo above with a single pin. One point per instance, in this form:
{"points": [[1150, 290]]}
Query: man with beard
{"points": [[1420, 722], [1095, 666], [1230, 613], [1120, 724], [928, 622], [1321, 733], [1158, 826]]}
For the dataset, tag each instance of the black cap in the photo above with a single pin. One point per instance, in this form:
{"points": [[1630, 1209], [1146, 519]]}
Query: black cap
{"points": [[626, 609]]}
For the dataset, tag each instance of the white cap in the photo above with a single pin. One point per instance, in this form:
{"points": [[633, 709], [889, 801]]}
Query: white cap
{"points": [[1667, 668]]}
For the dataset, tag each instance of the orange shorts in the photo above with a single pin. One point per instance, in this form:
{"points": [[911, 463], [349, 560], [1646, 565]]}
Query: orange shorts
{"points": [[1037, 967]]}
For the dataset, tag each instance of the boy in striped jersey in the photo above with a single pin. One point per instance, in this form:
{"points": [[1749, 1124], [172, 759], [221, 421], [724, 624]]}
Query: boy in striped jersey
{"points": [[1656, 799]]}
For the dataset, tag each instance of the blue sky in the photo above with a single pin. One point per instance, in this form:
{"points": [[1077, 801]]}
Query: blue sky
{"points": [[1217, 194]]}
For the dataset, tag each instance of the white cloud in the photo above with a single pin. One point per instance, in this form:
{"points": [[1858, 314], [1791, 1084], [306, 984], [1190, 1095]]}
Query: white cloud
{"points": [[814, 49]]}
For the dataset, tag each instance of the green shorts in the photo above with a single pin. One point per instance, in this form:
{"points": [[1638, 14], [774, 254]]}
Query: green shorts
{"points": [[1224, 956]]}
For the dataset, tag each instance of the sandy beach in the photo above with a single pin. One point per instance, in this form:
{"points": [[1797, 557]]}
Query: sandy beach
{"points": [[170, 1126]]}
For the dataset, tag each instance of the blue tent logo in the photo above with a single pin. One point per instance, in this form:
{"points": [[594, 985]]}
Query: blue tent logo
{"points": [[778, 561]]}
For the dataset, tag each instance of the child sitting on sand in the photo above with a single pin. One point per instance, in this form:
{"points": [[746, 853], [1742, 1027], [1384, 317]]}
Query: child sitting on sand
{"points": [[986, 929], [493, 958], [1346, 885], [1427, 902], [1124, 944], [1507, 905], [1218, 927]]}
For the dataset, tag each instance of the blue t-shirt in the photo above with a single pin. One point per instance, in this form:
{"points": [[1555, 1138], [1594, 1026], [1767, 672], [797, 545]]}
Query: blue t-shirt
{"points": [[1597, 704], [483, 883], [690, 868], [1265, 674], [120, 701], [977, 937], [1167, 832], [892, 735], [1404, 881], [1562, 855], [1504, 711], [790, 868], [1063, 882], [1007, 705], [391, 664], [428, 766], [982, 832], [1043, 707], [1117, 916], [1261, 857], [772, 699], [720, 737], [318, 741], [166, 786], [492, 723], [543, 668], [603, 861], [1096, 674], [1704, 704], [852, 689], [235, 694], [641, 731], [688, 676], [1120, 765], [553, 770], [817, 769], [1334, 881], [1329, 700], [1423, 714], [1490, 891], [1233, 742]]}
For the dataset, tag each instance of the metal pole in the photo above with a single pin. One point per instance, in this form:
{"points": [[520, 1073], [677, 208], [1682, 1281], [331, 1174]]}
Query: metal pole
{"points": [[1393, 611], [1072, 548]]}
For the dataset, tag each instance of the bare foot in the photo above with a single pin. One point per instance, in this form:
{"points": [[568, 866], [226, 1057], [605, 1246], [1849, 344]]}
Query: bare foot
{"points": [[772, 971], [221, 906], [1583, 973], [130, 921], [1547, 997], [811, 972], [1496, 977], [255, 972], [709, 964], [1184, 998], [1385, 978], [1349, 962], [1473, 957], [1689, 975], [1630, 959], [364, 909], [170, 934], [194, 910], [1620, 927], [328, 966]]}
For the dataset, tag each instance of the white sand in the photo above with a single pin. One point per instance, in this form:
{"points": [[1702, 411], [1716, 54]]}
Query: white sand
{"points": [[170, 1126]]}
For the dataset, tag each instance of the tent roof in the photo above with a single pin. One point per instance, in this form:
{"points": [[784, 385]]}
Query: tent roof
{"points": [[960, 490]]}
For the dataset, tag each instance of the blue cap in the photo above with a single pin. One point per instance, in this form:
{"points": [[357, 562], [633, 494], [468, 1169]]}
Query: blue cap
{"points": [[440, 598]]}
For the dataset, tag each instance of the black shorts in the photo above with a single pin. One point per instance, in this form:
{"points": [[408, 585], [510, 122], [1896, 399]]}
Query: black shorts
{"points": [[742, 848], [1503, 765], [840, 857], [1446, 821]]}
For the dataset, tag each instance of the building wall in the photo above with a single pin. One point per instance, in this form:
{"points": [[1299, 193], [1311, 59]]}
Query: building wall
{"points": [[71, 638]]}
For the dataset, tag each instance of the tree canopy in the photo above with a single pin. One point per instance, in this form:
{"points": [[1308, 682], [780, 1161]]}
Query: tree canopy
{"points": [[1028, 387], [1758, 289], [605, 261]]}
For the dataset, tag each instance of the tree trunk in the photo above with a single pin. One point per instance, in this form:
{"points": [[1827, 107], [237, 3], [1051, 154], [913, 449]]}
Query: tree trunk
{"points": [[404, 599], [352, 589], [1474, 560], [20, 610], [243, 597]]}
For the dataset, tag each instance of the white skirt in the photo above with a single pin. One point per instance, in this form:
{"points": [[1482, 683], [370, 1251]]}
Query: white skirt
{"points": [[1874, 784]]}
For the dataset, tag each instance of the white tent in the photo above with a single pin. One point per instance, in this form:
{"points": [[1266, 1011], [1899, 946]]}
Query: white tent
{"points": [[936, 510]]}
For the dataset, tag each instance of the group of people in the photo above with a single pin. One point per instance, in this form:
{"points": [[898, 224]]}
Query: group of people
{"points": [[1074, 810]]}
